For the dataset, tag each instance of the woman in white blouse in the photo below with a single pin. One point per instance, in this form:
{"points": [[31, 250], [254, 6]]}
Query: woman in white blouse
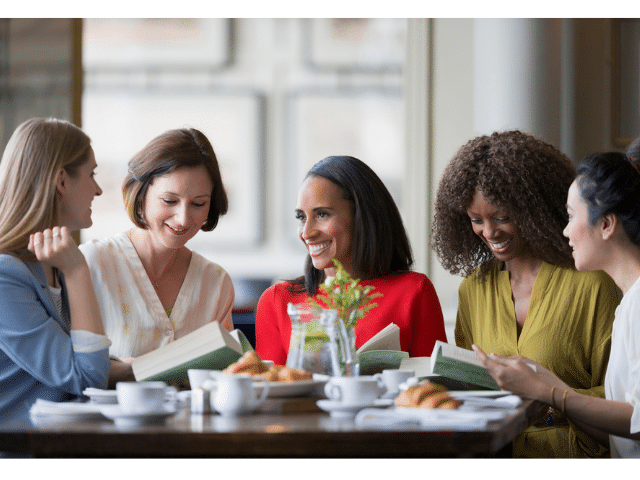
{"points": [[150, 287], [604, 232]]}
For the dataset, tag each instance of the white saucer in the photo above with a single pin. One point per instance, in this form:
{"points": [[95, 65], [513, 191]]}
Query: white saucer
{"points": [[125, 419], [341, 410], [390, 395], [97, 395]]}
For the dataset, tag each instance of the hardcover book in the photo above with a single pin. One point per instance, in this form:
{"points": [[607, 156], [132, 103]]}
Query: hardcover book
{"points": [[210, 347], [381, 352], [459, 364]]}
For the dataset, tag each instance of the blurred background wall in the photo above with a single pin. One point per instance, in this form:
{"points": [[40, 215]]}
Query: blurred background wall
{"points": [[274, 96]]}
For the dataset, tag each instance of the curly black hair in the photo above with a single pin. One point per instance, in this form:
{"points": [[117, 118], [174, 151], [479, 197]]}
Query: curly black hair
{"points": [[516, 172]]}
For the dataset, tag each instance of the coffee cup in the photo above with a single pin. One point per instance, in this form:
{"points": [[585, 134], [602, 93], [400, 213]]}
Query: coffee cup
{"points": [[236, 394], [145, 397], [391, 380], [197, 376], [361, 390]]}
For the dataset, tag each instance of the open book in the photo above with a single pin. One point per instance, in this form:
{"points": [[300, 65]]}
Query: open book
{"points": [[459, 364], [210, 347], [381, 352]]}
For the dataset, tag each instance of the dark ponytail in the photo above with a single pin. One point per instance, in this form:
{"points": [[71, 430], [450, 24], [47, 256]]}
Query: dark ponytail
{"points": [[610, 183]]}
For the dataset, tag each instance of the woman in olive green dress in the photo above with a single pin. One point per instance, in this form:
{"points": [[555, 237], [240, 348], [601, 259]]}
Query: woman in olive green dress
{"points": [[500, 213]]}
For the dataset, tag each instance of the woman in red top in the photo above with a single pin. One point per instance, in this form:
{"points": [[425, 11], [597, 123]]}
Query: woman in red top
{"points": [[346, 212]]}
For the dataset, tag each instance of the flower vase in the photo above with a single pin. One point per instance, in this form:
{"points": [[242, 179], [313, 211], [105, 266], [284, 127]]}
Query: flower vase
{"points": [[350, 367], [320, 342]]}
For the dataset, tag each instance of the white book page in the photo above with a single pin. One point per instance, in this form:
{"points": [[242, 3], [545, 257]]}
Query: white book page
{"points": [[420, 365], [462, 354], [386, 339]]}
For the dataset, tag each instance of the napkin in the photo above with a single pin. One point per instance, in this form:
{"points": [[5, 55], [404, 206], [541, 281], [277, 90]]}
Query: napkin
{"points": [[46, 408], [428, 419], [508, 401]]}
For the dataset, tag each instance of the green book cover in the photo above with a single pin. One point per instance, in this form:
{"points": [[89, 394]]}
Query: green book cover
{"points": [[210, 347], [375, 361], [217, 360], [458, 369]]}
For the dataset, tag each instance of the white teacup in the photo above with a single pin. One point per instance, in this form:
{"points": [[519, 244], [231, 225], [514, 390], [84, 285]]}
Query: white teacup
{"points": [[392, 379], [197, 376], [235, 394], [145, 397], [361, 390]]}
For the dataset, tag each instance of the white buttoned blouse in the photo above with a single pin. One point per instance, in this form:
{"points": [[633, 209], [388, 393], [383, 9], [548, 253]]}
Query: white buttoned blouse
{"points": [[133, 316]]}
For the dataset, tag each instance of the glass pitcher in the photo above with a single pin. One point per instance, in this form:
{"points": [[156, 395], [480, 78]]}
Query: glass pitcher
{"points": [[320, 343]]}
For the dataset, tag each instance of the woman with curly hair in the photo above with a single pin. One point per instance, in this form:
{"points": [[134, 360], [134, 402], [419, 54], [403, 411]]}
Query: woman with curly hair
{"points": [[604, 231], [499, 217]]}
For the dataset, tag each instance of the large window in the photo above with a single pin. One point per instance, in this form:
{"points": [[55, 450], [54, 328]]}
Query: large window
{"points": [[273, 96]]}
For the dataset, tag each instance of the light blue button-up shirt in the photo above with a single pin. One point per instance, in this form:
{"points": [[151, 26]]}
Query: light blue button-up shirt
{"points": [[39, 356]]}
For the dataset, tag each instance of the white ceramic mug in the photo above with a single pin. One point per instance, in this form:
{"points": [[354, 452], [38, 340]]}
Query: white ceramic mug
{"points": [[197, 376], [235, 394], [391, 379], [145, 397], [362, 390]]}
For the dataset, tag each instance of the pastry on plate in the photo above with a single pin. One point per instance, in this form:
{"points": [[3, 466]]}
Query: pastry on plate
{"points": [[427, 395], [252, 364]]}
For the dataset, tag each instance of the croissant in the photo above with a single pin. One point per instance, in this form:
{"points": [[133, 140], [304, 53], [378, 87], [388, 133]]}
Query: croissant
{"points": [[252, 364], [427, 395]]}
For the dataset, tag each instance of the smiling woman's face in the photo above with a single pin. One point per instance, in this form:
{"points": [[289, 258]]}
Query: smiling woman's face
{"points": [[582, 236], [177, 204], [325, 224], [494, 226], [80, 190]]}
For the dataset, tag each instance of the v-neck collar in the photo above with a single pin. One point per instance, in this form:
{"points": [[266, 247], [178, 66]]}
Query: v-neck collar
{"points": [[538, 291], [177, 311]]}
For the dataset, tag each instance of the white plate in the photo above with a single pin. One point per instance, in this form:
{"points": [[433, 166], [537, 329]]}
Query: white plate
{"points": [[291, 389], [341, 410], [97, 395], [125, 419], [462, 394]]}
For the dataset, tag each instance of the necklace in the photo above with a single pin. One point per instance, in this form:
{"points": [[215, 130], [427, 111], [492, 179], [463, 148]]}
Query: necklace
{"points": [[169, 265]]}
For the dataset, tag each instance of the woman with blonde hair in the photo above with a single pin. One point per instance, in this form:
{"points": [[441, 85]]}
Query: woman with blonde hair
{"points": [[52, 343]]}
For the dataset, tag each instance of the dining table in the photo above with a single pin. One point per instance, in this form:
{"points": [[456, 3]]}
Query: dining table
{"points": [[282, 428]]}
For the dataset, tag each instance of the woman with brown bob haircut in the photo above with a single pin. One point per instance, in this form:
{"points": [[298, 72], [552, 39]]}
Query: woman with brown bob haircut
{"points": [[151, 288], [499, 217]]}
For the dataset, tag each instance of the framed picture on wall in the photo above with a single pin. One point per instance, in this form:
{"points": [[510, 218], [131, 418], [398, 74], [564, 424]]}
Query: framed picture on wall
{"points": [[350, 45], [138, 44], [364, 123]]}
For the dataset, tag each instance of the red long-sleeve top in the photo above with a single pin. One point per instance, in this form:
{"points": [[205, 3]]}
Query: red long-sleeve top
{"points": [[409, 300]]}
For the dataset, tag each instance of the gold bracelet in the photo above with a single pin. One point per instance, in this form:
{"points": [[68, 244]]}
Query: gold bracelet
{"points": [[564, 399], [553, 402]]}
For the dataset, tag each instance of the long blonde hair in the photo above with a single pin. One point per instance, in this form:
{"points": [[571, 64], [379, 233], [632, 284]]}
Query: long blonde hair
{"points": [[34, 155]]}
